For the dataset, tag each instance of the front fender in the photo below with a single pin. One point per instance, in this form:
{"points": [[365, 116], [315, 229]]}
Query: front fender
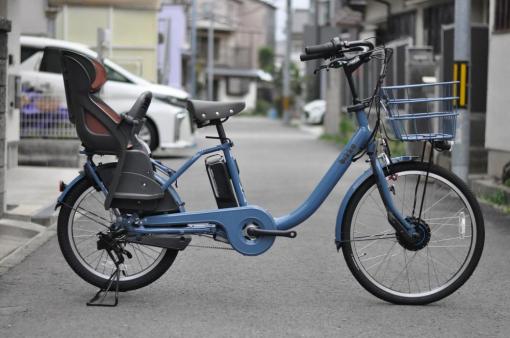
{"points": [[352, 189]]}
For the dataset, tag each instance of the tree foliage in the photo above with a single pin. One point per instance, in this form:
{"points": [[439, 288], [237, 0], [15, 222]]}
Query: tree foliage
{"points": [[266, 59]]}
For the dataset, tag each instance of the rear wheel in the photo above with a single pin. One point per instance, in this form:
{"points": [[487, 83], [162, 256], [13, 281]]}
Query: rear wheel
{"points": [[451, 225], [82, 217]]}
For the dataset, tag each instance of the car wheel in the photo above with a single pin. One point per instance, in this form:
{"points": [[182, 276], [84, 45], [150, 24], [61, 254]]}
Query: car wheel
{"points": [[149, 135]]}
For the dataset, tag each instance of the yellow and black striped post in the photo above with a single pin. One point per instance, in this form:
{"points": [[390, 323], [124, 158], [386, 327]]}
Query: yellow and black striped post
{"points": [[461, 74]]}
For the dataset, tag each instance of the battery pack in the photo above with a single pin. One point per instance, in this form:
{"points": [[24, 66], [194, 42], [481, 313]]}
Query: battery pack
{"points": [[221, 182]]}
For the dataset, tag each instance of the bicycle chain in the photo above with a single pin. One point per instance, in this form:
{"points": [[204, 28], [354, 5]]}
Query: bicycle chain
{"points": [[95, 220], [209, 247]]}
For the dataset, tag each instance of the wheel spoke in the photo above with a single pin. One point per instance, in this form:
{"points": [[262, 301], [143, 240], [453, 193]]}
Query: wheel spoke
{"points": [[88, 219]]}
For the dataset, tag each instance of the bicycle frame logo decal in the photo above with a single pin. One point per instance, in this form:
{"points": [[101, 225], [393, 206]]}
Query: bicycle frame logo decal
{"points": [[353, 149]]}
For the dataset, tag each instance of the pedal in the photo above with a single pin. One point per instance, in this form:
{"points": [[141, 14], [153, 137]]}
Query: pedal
{"points": [[253, 231]]}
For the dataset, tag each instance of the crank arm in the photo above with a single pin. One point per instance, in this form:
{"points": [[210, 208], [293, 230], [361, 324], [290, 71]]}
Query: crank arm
{"points": [[252, 231]]}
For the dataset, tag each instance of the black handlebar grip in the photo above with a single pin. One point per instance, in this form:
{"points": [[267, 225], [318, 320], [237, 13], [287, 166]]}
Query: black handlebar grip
{"points": [[308, 57], [315, 49]]}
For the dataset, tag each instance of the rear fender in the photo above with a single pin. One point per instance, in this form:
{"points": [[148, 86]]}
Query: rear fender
{"points": [[104, 169], [68, 188], [352, 190]]}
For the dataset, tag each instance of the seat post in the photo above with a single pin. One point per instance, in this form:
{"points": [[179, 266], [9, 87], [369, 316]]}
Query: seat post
{"points": [[221, 132]]}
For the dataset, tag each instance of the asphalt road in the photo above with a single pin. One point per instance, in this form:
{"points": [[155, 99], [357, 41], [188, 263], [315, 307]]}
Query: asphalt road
{"points": [[301, 287]]}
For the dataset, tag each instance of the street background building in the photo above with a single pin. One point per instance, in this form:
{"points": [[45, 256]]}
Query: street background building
{"points": [[152, 39]]}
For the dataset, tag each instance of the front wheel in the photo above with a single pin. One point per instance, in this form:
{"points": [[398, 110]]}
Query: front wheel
{"points": [[81, 219], [450, 221]]}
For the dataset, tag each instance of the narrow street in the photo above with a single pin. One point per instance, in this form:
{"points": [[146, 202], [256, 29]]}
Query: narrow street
{"points": [[300, 288]]}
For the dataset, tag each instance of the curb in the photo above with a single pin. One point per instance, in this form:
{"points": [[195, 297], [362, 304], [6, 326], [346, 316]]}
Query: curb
{"points": [[44, 216], [42, 222], [18, 255], [490, 193], [487, 187]]}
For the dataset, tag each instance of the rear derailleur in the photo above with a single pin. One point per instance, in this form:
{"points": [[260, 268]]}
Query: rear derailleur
{"points": [[112, 243]]}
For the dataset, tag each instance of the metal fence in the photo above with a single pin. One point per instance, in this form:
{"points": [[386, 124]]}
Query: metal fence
{"points": [[45, 116]]}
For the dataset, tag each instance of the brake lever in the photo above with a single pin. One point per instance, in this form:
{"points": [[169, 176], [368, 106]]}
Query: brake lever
{"points": [[333, 64], [321, 67], [337, 63]]}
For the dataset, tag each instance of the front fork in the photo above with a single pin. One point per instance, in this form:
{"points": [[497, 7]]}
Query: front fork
{"points": [[395, 218]]}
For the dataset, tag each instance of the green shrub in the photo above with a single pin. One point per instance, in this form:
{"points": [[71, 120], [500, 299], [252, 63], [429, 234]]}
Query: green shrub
{"points": [[261, 107], [507, 182], [497, 198]]}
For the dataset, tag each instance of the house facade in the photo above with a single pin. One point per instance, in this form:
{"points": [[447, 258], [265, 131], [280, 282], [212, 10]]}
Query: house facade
{"points": [[241, 28], [497, 140], [132, 41], [421, 34]]}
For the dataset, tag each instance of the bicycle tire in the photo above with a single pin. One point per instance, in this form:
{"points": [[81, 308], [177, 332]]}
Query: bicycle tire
{"points": [[360, 272], [77, 264]]}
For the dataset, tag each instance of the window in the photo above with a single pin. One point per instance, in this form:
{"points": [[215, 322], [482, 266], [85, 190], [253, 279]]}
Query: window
{"points": [[50, 62], [27, 52], [398, 26], [434, 18], [202, 47], [113, 75], [502, 15], [237, 86]]}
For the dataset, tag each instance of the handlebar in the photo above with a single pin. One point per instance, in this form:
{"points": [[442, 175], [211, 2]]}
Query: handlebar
{"points": [[335, 47]]}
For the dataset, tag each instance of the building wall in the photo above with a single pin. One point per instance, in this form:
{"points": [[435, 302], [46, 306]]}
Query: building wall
{"points": [[138, 4], [257, 28], [498, 100], [12, 11], [243, 25], [172, 25], [497, 140], [33, 21], [241, 28], [134, 34], [250, 98]]}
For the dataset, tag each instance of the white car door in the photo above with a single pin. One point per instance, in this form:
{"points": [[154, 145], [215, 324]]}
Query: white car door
{"points": [[39, 77]]}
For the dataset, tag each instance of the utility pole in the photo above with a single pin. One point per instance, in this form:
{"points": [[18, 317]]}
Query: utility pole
{"points": [[286, 66], [210, 53], [462, 57], [318, 80], [193, 63]]}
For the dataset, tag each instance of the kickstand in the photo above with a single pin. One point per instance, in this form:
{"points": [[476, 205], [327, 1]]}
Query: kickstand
{"points": [[99, 300]]}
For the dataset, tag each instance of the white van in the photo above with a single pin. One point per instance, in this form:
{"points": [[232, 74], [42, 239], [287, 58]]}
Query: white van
{"points": [[169, 128]]}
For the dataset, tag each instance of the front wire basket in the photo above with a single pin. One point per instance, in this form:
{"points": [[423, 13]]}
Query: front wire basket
{"points": [[421, 112]]}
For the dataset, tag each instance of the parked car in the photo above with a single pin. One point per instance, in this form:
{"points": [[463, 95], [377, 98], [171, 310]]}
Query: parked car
{"points": [[169, 128], [314, 112]]}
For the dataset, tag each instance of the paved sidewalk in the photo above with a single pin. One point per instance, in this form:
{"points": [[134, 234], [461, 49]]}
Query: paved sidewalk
{"points": [[31, 188], [29, 220]]}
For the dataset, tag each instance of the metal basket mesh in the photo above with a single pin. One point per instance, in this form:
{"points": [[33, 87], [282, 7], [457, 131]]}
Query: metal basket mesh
{"points": [[421, 112]]}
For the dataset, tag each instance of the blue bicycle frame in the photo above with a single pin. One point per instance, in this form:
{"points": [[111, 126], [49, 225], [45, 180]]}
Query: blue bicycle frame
{"points": [[232, 223]]}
